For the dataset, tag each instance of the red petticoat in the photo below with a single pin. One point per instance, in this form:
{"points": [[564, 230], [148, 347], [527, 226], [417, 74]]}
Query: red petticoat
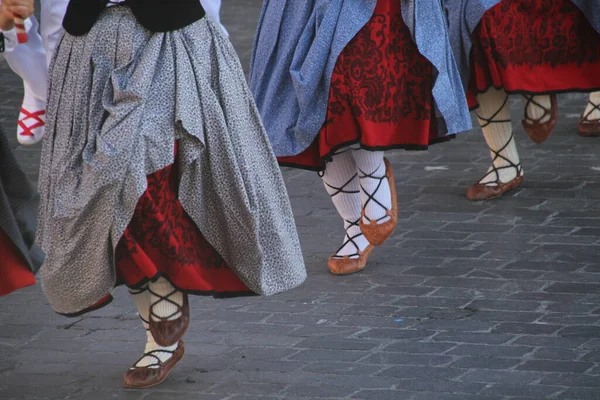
{"points": [[380, 93], [162, 241], [14, 271], [536, 47]]}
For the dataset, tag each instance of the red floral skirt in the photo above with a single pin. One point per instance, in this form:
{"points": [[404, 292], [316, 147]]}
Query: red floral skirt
{"points": [[14, 271], [162, 241], [534, 46], [380, 95]]}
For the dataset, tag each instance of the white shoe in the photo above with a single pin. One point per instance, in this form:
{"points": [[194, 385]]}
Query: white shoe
{"points": [[31, 126]]}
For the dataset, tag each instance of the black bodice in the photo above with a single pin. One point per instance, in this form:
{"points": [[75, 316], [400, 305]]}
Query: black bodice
{"points": [[154, 15]]}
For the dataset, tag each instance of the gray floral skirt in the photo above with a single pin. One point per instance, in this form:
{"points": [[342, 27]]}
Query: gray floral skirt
{"points": [[119, 97]]}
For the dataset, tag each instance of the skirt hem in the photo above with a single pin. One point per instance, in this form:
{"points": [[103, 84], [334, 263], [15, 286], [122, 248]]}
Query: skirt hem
{"points": [[329, 156], [109, 298]]}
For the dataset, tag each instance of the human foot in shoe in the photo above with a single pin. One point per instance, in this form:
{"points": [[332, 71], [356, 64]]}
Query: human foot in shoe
{"points": [[154, 366], [540, 116], [502, 176], [379, 217], [32, 122], [354, 253], [169, 313], [589, 124]]}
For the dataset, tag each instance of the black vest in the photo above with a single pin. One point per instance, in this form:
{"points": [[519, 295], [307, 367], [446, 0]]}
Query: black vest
{"points": [[154, 15]]}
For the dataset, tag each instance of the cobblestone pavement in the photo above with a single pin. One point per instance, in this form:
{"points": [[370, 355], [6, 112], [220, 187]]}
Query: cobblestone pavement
{"points": [[497, 300]]}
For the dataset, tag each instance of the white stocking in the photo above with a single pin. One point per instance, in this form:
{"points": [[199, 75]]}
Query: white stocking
{"points": [[592, 110], [341, 181], [374, 190], [494, 118], [141, 298], [537, 108], [165, 300]]}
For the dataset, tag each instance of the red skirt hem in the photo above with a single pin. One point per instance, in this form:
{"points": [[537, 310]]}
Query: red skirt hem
{"points": [[380, 95], [534, 47], [308, 162], [106, 300]]}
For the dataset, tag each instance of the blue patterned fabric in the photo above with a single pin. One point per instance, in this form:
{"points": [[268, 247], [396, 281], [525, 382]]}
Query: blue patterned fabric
{"points": [[296, 49]]}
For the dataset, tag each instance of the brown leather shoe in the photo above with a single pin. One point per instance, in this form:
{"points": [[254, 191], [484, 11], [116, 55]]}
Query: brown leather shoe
{"points": [[346, 265], [165, 332], [481, 191], [146, 377], [540, 131], [375, 232], [589, 127]]}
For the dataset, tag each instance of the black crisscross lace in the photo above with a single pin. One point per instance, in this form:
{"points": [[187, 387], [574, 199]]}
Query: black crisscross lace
{"points": [[497, 155], [371, 196], [166, 298], [157, 361], [351, 240], [531, 100], [595, 107]]}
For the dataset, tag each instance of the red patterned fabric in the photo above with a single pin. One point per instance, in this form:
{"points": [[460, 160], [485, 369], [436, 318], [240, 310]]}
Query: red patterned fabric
{"points": [[534, 46], [14, 272], [162, 240], [380, 93]]}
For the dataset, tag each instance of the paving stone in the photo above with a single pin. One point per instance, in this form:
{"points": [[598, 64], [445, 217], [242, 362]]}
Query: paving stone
{"points": [[328, 355], [490, 351], [486, 363], [590, 331], [408, 359], [544, 266], [502, 377], [547, 341], [572, 380], [473, 337], [440, 386], [555, 366], [398, 334], [580, 288], [461, 396], [579, 394], [317, 392], [383, 395], [336, 344], [527, 329], [531, 391], [421, 372], [419, 347]]}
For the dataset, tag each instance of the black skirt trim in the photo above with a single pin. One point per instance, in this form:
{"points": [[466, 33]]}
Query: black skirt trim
{"points": [[525, 92], [329, 156]]}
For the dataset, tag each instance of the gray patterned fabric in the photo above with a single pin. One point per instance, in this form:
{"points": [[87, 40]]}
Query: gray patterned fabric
{"points": [[18, 206], [118, 99]]}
